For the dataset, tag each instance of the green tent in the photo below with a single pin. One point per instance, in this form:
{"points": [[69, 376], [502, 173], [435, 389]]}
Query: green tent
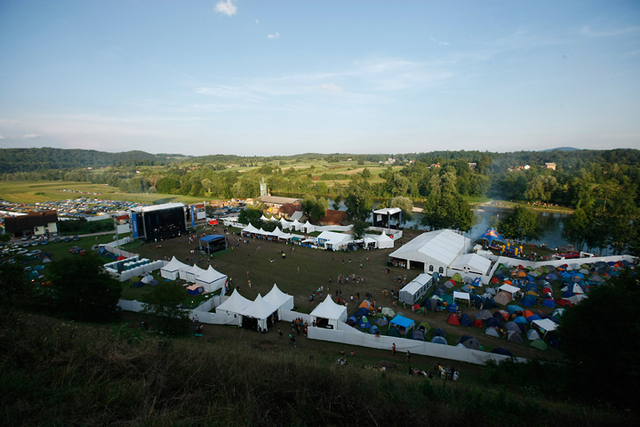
{"points": [[457, 278], [539, 344], [424, 326], [393, 332]]}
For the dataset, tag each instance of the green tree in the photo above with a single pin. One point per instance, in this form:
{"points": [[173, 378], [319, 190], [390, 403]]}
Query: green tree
{"points": [[166, 301], [359, 228], [576, 229], [359, 200], [82, 290], [521, 224], [249, 215], [406, 206], [541, 188], [603, 356], [314, 208], [366, 173]]}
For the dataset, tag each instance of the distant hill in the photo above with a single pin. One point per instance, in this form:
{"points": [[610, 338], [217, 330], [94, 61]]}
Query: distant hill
{"points": [[34, 159], [562, 149]]}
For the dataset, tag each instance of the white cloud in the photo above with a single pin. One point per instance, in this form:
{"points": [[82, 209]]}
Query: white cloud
{"points": [[2, 137], [439, 42], [229, 92], [31, 136], [257, 21], [330, 87], [273, 36], [226, 7]]}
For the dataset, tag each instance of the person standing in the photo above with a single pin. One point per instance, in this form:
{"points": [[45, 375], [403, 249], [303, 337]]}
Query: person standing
{"points": [[393, 348], [408, 356]]}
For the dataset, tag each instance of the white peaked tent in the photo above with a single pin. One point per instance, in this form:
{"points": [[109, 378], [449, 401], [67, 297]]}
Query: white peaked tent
{"points": [[260, 310], [264, 218], [212, 280], [234, 306], [308, 227], [194, 273], [280, 234], [171, 271], [384, 241], [185, 271], [296, 224], [279, 299], [250, 229], [285, 224], [330, 311]]}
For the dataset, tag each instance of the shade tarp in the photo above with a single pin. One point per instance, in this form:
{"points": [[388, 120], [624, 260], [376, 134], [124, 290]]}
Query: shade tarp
{"points": [[402, 322]]}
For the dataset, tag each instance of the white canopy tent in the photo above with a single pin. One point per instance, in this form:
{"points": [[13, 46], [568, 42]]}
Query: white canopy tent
{"points": [[285, 224], [471, 263], [194, 272], [260, 310], [280, 299], [384, 241], [436, 250], [509, 288], [212, 280], [234, 306], [171, 271], [415, 289], [462, 296], [330, 311], [334, 241], [250, 229]]}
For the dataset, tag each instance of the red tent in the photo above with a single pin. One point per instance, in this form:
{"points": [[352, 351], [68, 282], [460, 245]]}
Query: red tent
{"points": [[453, 319], [478, 323]]}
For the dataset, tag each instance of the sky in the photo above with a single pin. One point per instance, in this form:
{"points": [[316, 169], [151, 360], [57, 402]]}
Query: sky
{"points": [[278, 77]]}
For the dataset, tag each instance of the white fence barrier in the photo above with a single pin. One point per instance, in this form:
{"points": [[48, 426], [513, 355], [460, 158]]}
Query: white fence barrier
{"points": [[384, 342]]}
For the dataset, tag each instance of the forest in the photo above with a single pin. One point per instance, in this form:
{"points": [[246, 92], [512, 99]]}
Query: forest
{"points": [[599, 186]]}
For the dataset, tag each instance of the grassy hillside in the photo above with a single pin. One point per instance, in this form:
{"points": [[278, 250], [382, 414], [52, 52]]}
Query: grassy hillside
{"points": [[60, 373]]}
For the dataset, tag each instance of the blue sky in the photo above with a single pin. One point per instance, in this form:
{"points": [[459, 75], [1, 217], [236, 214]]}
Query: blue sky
{"points": [[286, 77]]}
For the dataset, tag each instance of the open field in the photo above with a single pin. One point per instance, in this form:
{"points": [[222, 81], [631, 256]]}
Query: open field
{"points": [[42, 191], [305, 270]]}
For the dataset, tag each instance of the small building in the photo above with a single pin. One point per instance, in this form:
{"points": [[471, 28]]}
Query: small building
{"points": [[551, 166], [387, 218], [33, 223]]}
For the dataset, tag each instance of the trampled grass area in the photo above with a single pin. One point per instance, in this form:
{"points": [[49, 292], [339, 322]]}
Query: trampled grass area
{"points": [[305, 270]]}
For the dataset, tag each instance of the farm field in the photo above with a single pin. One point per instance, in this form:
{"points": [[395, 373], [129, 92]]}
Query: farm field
{"points": [[29, 192]]}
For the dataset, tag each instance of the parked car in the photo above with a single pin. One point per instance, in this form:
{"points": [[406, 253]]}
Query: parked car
{"points": [[67, 239], [57, 240], [34, 253], [76, 238]]}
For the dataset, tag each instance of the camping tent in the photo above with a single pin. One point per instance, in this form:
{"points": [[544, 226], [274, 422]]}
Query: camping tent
{"points": [[415, 289], [171, 271], [195, 290], [212, 280], [503, 298], [329, 313]]}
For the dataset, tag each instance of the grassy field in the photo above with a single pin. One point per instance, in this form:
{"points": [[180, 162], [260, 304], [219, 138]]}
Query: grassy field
{"points": [[42, 191], [303, 271]]}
